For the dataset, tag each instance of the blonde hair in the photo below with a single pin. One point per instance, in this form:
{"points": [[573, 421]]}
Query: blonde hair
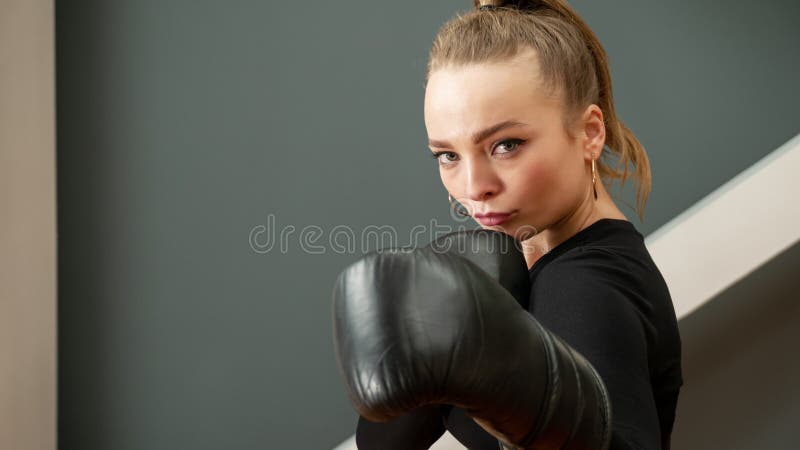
{"points": [[572, 62]]}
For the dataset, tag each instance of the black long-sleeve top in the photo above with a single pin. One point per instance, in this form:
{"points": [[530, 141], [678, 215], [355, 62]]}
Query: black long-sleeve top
{"points": [[601, 293]]}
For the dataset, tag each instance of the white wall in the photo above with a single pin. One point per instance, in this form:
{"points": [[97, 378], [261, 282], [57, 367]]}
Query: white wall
{"points": [[27, 226]]}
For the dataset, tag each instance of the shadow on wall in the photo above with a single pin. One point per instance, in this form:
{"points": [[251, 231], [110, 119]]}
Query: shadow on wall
{"points": [[740, 363]]}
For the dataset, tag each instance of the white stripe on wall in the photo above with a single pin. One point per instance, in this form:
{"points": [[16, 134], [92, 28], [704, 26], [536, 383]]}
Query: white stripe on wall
{"points": [[732, 231]]}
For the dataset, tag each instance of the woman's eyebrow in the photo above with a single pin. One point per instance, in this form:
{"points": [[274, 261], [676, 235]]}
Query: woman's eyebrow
{"points": [[478, 136]]}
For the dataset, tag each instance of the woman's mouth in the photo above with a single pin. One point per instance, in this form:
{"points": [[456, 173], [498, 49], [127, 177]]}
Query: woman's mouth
{"points": [[490, 219]]}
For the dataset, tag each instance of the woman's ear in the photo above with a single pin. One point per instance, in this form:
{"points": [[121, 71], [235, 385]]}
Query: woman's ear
{"points": [[594, 132]]}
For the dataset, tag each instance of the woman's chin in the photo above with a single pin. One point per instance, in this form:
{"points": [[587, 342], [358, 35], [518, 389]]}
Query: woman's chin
{"points": [[517, 231]]}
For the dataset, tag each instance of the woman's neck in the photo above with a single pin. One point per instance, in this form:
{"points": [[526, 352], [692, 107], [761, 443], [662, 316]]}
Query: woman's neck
{"points": [[589, 212]]}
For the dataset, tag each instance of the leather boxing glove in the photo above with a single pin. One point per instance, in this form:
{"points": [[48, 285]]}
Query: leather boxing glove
{"points": [[436, 325], [497, 254]]}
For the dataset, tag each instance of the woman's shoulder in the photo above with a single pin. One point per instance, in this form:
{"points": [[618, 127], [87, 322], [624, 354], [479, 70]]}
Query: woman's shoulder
{"points": [[611, 262], [607, 241]]}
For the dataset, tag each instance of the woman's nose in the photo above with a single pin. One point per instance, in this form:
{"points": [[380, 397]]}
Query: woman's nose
{"points": [[482, 182]]}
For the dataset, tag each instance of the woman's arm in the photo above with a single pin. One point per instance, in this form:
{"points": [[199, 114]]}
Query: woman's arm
{"points": [[586, 298]]}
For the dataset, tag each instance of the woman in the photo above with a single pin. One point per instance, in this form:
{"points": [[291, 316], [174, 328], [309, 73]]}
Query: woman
{"points": [[520, 116]]}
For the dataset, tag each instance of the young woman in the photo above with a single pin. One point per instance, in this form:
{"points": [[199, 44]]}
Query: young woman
{"points": [[520, 117]]}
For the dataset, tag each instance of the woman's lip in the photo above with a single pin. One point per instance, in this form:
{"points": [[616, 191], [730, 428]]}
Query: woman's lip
{"points": [[492, 218]]}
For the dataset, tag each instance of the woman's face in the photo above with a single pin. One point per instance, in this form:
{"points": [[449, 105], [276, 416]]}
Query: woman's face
{"points": [[503, 147]]}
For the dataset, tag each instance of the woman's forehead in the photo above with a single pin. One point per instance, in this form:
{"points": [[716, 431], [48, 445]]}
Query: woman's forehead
{"points": [[461, 100]]}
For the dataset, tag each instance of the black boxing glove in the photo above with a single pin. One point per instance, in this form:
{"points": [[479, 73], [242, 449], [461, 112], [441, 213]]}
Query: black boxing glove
{"points": [[414, 327]]}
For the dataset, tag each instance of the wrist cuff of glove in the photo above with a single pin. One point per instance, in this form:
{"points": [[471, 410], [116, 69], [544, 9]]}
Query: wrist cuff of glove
{"points": [[577, 408]]}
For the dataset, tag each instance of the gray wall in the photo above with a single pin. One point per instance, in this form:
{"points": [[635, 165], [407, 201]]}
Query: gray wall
{"points": [[183, 125]]}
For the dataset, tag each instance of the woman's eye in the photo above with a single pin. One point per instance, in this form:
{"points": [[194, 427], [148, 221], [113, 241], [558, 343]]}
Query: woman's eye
{"points": [[505, 146], [445, 158], [509, 144]]}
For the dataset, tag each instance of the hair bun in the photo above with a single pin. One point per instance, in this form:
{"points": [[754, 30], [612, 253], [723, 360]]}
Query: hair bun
{"points": [[487, 4], [522, 5]]}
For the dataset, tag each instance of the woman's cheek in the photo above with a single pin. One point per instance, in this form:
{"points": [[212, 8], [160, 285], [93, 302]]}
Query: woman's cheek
{"points": [[540, 184]]}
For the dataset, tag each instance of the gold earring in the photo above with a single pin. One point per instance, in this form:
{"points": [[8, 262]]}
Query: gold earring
{"points": [[458, 210], [594, 179]]}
